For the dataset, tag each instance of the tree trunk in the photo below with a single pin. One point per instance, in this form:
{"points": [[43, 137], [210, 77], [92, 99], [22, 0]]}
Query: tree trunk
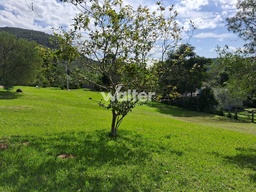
{"points": [[229, 112], [67, 75], [3, 70], [113, 124]]}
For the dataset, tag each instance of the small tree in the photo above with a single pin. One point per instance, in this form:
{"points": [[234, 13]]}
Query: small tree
{"points": [[59, 68], [66, 52], [206, 100], [120, 38], [47, 72]]}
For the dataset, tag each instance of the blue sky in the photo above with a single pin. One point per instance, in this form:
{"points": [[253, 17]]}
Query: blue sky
{"points": [[208, 16]]}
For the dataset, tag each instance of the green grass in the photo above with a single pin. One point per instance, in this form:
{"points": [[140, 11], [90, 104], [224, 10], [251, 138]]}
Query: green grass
{"points": [[159, 148]]}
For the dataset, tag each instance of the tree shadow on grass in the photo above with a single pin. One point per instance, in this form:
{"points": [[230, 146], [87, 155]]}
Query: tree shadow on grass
{"points": [[176, 111], [98, 162], [7, 95], [246, 158], [180, 112]]}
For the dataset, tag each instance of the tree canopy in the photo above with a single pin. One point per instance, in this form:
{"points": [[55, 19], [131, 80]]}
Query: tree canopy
{"points": [[183, 71], [244, 23], [19, 60], [121, 38]]}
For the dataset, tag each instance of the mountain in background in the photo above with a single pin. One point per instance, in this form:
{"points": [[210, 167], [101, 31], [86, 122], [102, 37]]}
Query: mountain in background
{"points": [[37, 36], [31, 35]]}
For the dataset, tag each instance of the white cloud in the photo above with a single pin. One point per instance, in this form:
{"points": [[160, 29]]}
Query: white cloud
{"points": [[228, 4], [194, 10], [207, 22], [50, 13], [220, 37], [45, 14], [194, 4], [24, 14], [228, 7]]}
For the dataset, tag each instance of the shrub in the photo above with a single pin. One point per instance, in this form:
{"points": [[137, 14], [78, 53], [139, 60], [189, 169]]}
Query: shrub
{"points": [[8, 88], [219, 112], [206, 100], [229, 115]]}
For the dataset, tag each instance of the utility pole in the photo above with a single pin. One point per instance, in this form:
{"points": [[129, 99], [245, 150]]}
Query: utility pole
{"points": [[67, 75]]}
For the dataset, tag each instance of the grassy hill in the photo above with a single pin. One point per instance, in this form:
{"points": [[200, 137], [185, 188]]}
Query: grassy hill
{"points": [[159, 148]]}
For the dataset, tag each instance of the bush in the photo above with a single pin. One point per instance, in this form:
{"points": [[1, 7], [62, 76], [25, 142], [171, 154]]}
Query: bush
{"points": [[8, 88], [229, 115], [219, 112], [206, 100], [236, 116]]}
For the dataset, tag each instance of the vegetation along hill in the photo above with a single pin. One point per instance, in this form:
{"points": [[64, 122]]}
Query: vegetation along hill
{"points": [[31, 35]]}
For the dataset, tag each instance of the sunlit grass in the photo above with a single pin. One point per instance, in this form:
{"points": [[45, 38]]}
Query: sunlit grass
{"points": [[159, 147]]}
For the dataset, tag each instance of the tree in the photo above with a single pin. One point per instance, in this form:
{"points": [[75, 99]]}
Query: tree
{"points": [[19, 60], [233, 77], [66, 53], [195, 73], [183, 71], [120, 38], [54, 71], [206, 100], [240, 70], [244, 23], [47, 72]]}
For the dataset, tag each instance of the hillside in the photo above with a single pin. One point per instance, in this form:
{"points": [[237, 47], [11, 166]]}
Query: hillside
{"points": [[57, 140], [31, 35]]}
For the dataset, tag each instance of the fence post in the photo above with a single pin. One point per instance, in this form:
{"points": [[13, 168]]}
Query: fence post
{"points": [[236, 115], [253, 116]]}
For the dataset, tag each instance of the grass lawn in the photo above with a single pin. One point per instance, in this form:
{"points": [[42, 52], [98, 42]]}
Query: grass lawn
{"points": [[159, 148]]}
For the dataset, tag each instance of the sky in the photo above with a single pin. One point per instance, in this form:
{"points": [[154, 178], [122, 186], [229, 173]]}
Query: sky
{"points": [[209, 17]]}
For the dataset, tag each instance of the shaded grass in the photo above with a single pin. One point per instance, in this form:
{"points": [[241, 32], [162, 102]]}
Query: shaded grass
{"points": [[6, 95], [176, 111], [96, 160], [205, 119], [155, 151], [245, 159]]}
